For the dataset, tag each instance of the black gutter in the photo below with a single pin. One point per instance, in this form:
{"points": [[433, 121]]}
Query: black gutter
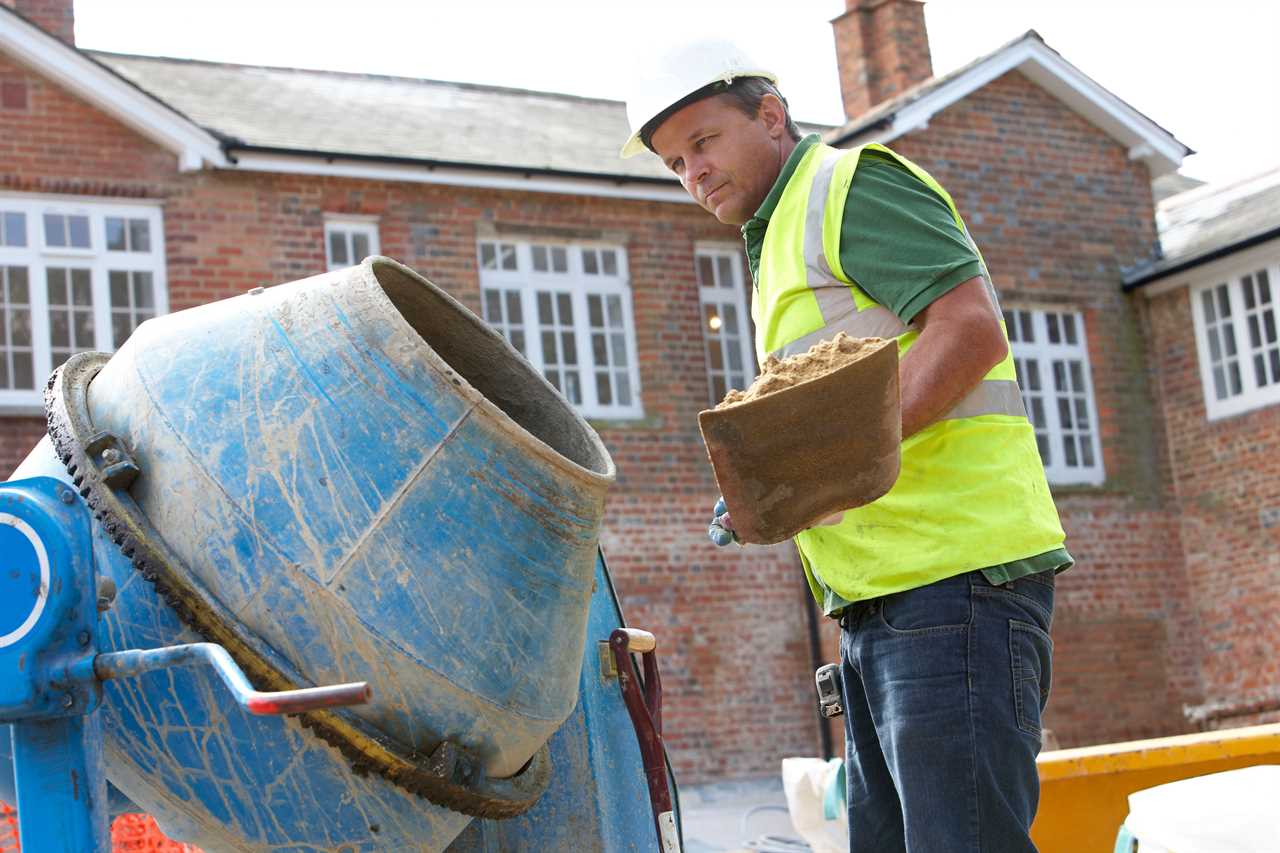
{"points": [[1191, 263], [432, 165]]}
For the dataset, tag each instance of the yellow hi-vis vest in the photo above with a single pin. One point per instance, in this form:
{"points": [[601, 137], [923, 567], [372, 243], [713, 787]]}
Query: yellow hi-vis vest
{"points": [[972, 492]]}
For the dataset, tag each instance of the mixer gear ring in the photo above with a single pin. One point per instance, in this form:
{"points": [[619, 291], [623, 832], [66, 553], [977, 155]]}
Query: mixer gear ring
{"points": [[102, 470]]}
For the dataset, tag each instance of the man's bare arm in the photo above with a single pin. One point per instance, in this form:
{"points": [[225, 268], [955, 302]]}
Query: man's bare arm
{"points": [[960, 341]]}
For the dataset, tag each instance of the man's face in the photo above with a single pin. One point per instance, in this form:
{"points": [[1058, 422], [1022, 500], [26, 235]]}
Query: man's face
{"points": [[725, 159]]}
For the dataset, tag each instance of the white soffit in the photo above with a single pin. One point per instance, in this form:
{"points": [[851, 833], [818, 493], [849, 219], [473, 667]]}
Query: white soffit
{"points": [[458, 176], [86, 79], [1145, 139]]}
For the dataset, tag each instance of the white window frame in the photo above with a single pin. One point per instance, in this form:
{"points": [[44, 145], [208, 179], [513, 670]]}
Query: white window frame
{"points": [[349, 225], [1252, 395], [38, 257], [719, 296], [1040, 348], [578, 284]]}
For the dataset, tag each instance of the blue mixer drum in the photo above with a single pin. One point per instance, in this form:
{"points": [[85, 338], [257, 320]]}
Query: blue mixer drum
{"points": [[349, 477]]}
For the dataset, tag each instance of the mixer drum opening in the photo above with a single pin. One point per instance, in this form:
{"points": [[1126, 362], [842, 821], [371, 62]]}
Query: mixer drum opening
{"points": [[492, 366]]}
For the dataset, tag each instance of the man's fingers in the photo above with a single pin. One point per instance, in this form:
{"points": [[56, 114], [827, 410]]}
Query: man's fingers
{"points": [[719, 535]]}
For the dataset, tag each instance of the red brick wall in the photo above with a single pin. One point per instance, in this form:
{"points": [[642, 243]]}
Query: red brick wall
{"points": [[1057, 208], [1228, 487]]}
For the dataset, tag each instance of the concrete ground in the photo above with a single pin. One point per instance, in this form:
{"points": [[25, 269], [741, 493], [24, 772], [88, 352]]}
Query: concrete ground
{"points": [[738, 816]]}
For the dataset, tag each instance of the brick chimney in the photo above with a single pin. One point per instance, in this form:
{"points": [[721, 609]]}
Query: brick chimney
{"points": [[55, 17], [882, 50]]}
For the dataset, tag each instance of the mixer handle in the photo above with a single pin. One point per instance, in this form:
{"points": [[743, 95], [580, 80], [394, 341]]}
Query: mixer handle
{"points": [[136, 661]]}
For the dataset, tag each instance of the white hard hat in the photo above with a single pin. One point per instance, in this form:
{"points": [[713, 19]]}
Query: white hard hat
{"points": [[680, 73]]}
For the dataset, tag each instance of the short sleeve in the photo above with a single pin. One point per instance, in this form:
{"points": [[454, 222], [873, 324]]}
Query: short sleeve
{"points": [[899, 241]]}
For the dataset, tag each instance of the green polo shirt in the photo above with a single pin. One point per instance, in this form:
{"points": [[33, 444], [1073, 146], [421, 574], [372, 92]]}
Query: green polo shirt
{"points": [[900, 244]]}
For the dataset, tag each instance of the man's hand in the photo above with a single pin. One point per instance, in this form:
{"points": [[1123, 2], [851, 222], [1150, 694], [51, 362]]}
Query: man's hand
{"points": [[721, 530]]}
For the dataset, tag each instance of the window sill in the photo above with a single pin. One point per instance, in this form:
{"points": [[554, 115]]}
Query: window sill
{"points": [[642, 422]]}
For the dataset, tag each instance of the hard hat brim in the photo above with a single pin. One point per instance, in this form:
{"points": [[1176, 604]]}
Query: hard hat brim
{"points": [[635, 144]]}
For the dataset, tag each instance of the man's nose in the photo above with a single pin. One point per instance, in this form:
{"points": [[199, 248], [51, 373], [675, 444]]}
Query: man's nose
{"points": [[696, 170]]}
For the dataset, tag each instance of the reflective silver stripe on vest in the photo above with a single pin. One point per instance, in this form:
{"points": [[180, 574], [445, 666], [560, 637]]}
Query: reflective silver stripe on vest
{"points": [[840, 312], [991, 397], [835, 301]]}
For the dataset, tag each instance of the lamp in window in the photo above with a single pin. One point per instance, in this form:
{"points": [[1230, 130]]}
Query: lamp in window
{"points": [[714, 322]]}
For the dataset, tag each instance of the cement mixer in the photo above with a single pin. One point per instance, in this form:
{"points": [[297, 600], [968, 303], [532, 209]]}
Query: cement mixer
{"points": [[317, 568]]}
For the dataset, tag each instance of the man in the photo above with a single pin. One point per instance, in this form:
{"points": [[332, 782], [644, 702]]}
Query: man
{"points": [[943, 587]]}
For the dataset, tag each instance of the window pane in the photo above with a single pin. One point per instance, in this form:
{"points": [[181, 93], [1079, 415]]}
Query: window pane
{"points": [[540, 258], [619, 349], [595, 311], [488, 260], [573, 390], [1224, 301], [80, 290], [559, 259], [18, 285], [725, 269], [59, 329], [730, 316], [599, 350], [715, 353], [359, 247], [139, 235], [1077, 377], [544, 309], [15, 230], [1069, 327], [1027, 334], [517, 341], [1051, 320], [624, 389], [615, 312], [1269, 325], [1037, 411], [118, 283], [1215, 348], [338, 249], [493, 306], [78, 231], [57, 284], [508, 253], [1264, 286], [116, 234], [1059, 376], [604, 391], [1247, 282], [121, 328], [514, 312], [1255, 332], [1233, 374], [1069, 451], [1042, 444], [1010, 326], [549, 353], [734, 351], [1229, 338], [1064, 413], [1033, 374], [1260, 369], [706, 278], [143, 290], [83, 329], [23, 373], [1206, 301], [568, 348], [589, 262], [1219, 383], [1086, 451], [610, 262], [55, 230], [717, 389], [565, 307]]}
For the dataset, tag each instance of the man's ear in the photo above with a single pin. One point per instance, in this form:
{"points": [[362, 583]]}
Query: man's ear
{"points": [[774, 115]]}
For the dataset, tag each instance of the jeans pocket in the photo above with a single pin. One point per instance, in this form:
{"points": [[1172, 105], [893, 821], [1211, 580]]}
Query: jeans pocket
{"points": [[938, 608], [1031, 662]]}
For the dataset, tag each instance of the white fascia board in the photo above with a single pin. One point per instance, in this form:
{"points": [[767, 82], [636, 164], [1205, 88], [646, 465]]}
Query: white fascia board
{"points": [[89, 81], [1236, 263], [1144, 139], [458, 177]]}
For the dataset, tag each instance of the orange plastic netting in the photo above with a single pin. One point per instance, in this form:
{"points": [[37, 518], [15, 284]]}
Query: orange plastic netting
{"points": [[130, 833]]}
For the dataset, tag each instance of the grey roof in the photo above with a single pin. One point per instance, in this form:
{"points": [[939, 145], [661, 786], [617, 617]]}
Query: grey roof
{"points": [[1171, 184], [392, 118], [884, 112], [1210, 221]]}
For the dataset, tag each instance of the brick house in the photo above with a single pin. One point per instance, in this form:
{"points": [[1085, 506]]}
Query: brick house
{"points": [[131, 186]]}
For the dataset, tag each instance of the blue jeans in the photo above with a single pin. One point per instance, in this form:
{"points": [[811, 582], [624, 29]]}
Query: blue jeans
{"points": [[943, 689]]}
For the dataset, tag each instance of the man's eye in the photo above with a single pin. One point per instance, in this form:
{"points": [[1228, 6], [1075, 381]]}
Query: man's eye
{"points": [[703, 141]]}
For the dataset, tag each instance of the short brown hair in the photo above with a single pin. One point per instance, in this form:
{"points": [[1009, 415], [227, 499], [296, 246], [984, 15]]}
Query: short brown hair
{"points": [[747, 94]]}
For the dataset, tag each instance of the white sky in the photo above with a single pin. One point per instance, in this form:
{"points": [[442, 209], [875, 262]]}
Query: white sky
{"points": [[1206, 70]]}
